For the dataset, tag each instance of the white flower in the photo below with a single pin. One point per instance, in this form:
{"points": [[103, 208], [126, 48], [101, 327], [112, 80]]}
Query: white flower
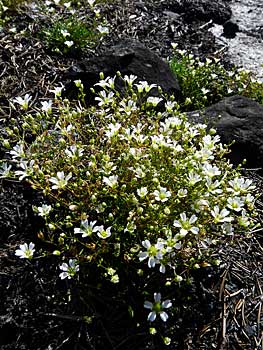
{"points": [[210, 171], [153, 252], [102, 233], [213, 187], [23, 101], [5, 170], [74, 152], [78, 83], [128, 107], [108, 82], [162, 194], [154, 100], [25, 251], [142, 192], [193, 178], [18, 151], [110, 181], [129, 79], [186, 225], [69, 43], [240, 186], [65, 33], [144, 86], [220, 215], [44, 210], [244, 220], [227, 228], [103, 29], [104, 99], [91, 2], [157, 308], [46, 106], [113, 129], [57, 90], [209, 141], [27, 169], [60, 181], [235, 203], [67, 4], [182, 193], [86, 228], [170, 106], [204, 91], [69, 270]]}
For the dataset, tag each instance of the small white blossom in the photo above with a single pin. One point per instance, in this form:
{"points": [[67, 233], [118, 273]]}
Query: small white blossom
{"points": [[86, 228], [57, 90], [209, 141], [69, 43], [153, 252], [103, 233], [74, 152], [227, 228], [105, 99], [113, 129], [103, 29], [46, 106], [18, 151], [182, 193], [240, 186], [162, 194], [129, 79], [26, 251], [61, 180], [27, 169], [142, 192], [157, 308], [44, 210], [186, 225], [144, 86], [91, 2], [244, 220], [220, 215], [110, 181], [64, 32], [5, 170], [235, 203], [128, 107], [193, 178], [78, 83], [154, 100], [210, 171], [23, 101], [108, 82], [69, 270]]}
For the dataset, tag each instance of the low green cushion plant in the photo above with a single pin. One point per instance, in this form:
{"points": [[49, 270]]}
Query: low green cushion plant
{"points": [[204, 82], [134, 196], [70, 30]]}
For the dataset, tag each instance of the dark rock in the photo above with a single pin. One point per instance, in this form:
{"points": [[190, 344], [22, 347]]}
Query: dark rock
{"points": [[230, 29], [202, 10], [128, 57], [241, 119]]}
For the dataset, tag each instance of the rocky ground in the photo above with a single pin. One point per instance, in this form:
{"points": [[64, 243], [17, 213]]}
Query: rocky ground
{"points": [[224, 310]]}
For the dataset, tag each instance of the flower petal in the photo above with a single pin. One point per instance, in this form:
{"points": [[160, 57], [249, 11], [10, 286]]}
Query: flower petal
{"points": [[151, 316], [148, 305], [164, 316]]}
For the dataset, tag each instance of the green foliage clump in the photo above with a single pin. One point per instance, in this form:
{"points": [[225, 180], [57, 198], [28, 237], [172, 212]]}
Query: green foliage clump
{"points": [[206, 82], [72, 34], [134, 196]]}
